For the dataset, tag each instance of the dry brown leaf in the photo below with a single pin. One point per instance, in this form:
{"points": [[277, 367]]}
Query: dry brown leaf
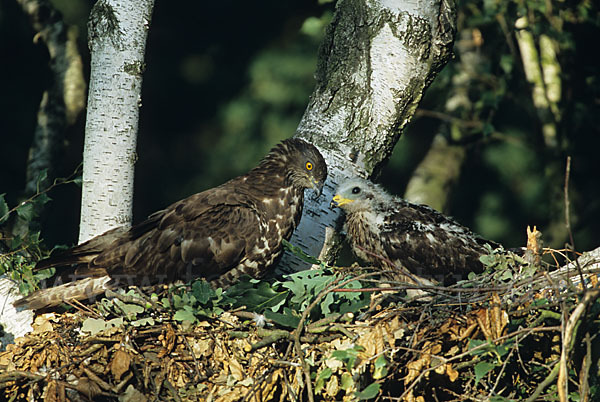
{"points": [[51, 392], [120, 364], [42, 324], [88, 388], [415, 367], [270, 387], [168, 339], [372, 341], [452, 374], [333, 386], [228, 394], [236, 369], [493, 321]]}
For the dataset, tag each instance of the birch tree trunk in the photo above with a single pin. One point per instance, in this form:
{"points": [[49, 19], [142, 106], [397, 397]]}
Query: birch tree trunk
{"points": [[376, 60], [117, 32]]}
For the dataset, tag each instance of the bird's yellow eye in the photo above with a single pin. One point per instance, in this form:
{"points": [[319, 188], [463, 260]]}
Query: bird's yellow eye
{"points": [[309, 166]]}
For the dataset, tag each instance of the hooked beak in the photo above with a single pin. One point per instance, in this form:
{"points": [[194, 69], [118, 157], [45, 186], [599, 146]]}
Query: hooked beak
{"points": [[317, 187], [338, 201]]}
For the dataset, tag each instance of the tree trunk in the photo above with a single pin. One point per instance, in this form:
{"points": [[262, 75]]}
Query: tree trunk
{"points": [[375, 62], [62, 101], [117, 32]]}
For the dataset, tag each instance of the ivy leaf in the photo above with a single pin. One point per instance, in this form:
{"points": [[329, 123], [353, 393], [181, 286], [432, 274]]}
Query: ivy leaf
{"points": [[202, 291], [257, 299], [326, 302], [368, 393], [298, 252], [473, 343], [288, 319], [481, 370], [93, 325], [185, 315], [26, 211], [348, 356], [347, 381]]}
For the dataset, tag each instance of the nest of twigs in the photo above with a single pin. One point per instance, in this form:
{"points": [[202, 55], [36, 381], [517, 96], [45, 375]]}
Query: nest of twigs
{"points": [[512, 335]]}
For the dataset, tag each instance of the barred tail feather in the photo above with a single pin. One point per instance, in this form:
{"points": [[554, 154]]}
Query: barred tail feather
{"points": [[87, 288]]}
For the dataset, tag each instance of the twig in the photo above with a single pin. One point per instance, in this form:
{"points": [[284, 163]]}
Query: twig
{"points": [[567, 215], [439, 289], [270, 336], [17, 374], [584, 387], [194, 356], [56, 182], [567, 202], [589, 298], [92, 376]]}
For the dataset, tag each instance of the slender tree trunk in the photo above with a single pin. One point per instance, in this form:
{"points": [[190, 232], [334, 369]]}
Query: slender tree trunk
{"points": [[375, 62], [62, 101], [117, 39]]}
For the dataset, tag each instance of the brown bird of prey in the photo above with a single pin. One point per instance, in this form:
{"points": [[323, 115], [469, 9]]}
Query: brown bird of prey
{"points": [[220, 234], [390, 232]]}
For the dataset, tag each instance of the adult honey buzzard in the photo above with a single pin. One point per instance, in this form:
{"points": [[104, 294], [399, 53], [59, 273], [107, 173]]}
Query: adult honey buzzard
{"points": [[390, 232], [219, 234]]}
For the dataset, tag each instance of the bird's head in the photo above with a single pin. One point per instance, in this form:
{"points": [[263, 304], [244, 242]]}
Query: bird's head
{"points": [[356, 195], [306, 167]]}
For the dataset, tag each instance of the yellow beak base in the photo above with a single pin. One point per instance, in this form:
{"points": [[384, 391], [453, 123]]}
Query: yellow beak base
{"points": [[339, 200]]}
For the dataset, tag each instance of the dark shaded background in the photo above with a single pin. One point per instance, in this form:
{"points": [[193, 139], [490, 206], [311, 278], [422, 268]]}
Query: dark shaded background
{"points": [[227, 80]]}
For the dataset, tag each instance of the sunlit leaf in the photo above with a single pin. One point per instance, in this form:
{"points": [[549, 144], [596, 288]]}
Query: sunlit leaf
{"points": [[184, 315]]}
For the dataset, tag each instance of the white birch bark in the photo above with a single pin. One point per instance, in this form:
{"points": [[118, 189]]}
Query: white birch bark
{"points": [[117, 39], [376, 60]]}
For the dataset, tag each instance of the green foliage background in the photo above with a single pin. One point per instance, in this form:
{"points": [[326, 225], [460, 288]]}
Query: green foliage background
{"points": [[227, 80]]}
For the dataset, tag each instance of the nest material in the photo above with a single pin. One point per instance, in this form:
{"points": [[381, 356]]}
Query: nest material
{"points": [[521, 339]]}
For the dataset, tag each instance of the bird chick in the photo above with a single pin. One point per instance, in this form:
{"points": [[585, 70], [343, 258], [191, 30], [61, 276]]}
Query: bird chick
{"points": [[390, 232]]}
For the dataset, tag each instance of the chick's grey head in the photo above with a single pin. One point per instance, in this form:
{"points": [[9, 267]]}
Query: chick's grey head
{"points": [[359, 195]]}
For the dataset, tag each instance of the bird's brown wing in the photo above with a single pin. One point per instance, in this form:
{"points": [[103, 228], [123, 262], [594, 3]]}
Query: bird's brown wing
{"points": [[204, 235], [430, 244], [83, 253]]}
